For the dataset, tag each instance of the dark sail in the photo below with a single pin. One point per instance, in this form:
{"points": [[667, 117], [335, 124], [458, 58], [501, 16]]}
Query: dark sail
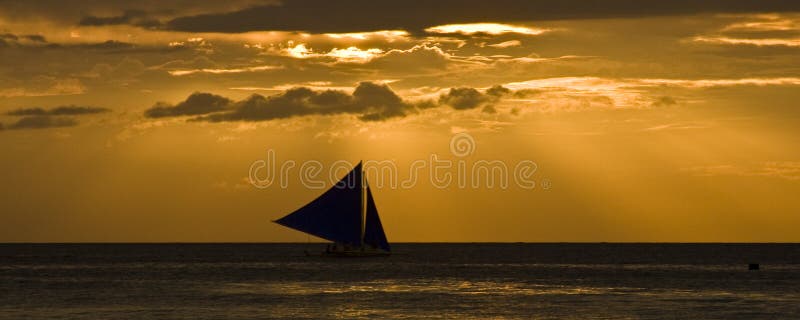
{"points": [[335, 215], [373, 229]]}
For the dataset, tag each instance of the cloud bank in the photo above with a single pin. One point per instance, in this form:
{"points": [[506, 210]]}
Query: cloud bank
{"points": [[367, 15], [40, 118], [58, 111], [470, 98], [196, 104], [369, 101], [42, 122], [376, 101]]}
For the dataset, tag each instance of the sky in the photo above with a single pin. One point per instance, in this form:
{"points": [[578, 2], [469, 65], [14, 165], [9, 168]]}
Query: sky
{"points": [[639, 121]]}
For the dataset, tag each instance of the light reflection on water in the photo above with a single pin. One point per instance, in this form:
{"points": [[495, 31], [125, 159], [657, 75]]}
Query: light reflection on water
{"points": [[437, 286], [462, 281]]}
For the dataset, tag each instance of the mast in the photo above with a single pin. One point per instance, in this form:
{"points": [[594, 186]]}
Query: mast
{"points": [[363, 203]]}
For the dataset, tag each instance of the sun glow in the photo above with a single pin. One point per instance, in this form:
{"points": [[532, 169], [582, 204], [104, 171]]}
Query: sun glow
{"points": [[222, 71], [390, 35], [354, 54], [349, 54], [485, 28], [795, 42]]}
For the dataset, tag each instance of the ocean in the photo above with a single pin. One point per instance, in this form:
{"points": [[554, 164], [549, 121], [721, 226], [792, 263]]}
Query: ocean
{"points": [[421, 280]]}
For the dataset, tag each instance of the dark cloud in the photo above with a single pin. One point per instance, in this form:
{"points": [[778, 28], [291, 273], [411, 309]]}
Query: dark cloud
{"points": [[470, 98], [132, 17], [40, 118], [368, 15], [371, 101], [120, 47], [108, 45], [43, 122], [58, 111], [498, 91], [10, 39], [463, 98], [9, 36], [35, 38], [664, 101], [379, 102], [196, 104]]}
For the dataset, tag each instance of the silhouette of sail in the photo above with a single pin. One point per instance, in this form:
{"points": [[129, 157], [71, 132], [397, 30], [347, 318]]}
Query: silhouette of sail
{"points": [[335, 215], [373, 229]]}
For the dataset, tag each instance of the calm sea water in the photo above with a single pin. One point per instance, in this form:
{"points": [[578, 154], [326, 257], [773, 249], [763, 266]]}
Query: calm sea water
{"points": [[499, 281]]}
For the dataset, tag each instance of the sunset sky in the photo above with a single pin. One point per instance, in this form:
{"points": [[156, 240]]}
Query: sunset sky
{"points": [[139, 120]]}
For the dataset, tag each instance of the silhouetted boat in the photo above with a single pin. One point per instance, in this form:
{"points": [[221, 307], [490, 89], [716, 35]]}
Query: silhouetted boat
{"points": [[345, 214]]}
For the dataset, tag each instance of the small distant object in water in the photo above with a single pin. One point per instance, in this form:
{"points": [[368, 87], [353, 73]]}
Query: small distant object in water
{"points": [[753, 266]]}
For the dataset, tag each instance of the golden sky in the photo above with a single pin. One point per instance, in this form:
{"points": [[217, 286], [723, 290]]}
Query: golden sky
{"points": [[139, 121]]}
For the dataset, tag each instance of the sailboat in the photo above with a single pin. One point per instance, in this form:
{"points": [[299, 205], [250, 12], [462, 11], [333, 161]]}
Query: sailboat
{"points": [[346, 215]]}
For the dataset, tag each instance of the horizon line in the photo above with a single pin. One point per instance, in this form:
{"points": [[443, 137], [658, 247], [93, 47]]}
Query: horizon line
{"points": [[400, 242]]}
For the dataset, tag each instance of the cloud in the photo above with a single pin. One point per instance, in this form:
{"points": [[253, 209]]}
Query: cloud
{"points": [[388, 35], [795, 42], [608, 84], [469, 98], [13, 40], [763, 30], [107, 45], [313, 85], [416, 58], [58, 111], [506, 44], [367, 15], [498, 91], [40, 118], [349, 54], [484, 28], [353, 54], [706, 83], [664, 101], [371, 101], [581, 93], [222, 71], [126, 69], [463, 98], [40, 86], [196, 104], [43, 122], [677, 126], [10, 40], [133, 17], [764, 22], [196, 63]]}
